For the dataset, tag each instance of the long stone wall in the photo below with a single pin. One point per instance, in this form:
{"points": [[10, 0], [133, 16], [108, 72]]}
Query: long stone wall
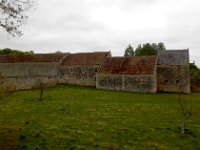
{"points": [[136, 74], [78, 75], [173, 78], [25, 75], [133, 83]]}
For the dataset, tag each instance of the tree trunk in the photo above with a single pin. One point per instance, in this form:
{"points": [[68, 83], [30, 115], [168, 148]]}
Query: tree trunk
{"points": [[41, 93], [183, 124]]}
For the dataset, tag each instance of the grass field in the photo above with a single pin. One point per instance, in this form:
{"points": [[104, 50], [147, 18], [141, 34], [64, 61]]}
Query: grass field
{"points": [[73, 117]]}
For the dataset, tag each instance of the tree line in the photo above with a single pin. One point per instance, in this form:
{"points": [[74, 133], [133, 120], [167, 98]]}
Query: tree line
{"points": [[145, 49], [12, 51]]}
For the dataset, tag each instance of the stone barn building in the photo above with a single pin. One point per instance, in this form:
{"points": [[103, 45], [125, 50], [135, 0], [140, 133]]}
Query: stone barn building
{"points": [[135, 74], [173, 71], [24, 71], [81, 68], [166, 72]]}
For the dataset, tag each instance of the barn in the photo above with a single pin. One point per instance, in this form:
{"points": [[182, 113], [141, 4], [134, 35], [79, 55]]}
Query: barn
{"points": [[135, 74], [173, 73], [24, 71], [81, 68]]}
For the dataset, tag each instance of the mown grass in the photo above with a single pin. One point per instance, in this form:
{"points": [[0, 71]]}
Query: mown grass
{"points": [[73, 117]]}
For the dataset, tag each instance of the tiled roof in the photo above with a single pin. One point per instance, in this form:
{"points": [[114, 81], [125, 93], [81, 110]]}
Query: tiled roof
{"points": [[95, 58], [129, 65], [31, 58]]}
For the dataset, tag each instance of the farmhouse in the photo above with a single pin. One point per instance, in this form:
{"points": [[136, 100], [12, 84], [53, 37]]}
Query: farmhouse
{"points": [[136, 74]]}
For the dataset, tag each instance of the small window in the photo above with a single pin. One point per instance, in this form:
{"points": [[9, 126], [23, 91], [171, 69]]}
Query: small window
{"points": [[166, 81], [177, 81]]}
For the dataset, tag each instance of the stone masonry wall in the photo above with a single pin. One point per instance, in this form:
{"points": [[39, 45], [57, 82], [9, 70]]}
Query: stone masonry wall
{"points": [[25, 75], [133, 83], [79, 75], [173, 78]]}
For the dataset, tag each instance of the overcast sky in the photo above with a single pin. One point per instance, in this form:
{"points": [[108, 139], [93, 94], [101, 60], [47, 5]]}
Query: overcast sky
{"points": [[109, 25]]}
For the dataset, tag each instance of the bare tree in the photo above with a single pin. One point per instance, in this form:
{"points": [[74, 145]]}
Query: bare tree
{"points": [[13, 15], [186, 109], [40, 84], [141, 80], [185, 102]]}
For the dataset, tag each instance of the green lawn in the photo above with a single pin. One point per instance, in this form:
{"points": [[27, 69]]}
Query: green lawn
{"points": [[73, 117]]}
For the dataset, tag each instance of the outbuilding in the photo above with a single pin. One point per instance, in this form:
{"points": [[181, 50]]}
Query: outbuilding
{"points": [[24, 71], [135, 74], [173, 74], [81, 68]]}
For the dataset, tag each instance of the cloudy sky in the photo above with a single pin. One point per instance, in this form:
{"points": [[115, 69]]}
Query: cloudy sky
{"points": [[109, 25]]}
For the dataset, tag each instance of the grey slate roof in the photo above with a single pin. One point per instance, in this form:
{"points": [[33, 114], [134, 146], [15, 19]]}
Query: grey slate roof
{"points": [[173, 57]]}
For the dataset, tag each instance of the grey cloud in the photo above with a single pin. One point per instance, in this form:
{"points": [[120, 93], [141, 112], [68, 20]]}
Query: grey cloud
{"points": [[183, 27], [66, 25]]}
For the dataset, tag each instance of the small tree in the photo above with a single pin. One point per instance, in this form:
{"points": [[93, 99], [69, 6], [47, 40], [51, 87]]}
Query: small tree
{"points": [[186, 109], [185, 102], [40, 85], [129, 51]]}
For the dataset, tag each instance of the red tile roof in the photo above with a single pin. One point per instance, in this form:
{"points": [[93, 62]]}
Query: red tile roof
{"points": [[95, 58], [31, 58], [129, 65]]}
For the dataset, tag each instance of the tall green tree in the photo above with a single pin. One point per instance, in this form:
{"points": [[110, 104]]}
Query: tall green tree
{"points": [[161, 46], [149, 49], [129, 51], [11, 51]]}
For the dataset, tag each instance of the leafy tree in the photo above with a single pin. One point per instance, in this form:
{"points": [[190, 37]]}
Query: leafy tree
{"points": [[138, 49], [11, 51], [149, 49], [13, 15], [194, 70], [129, 51], [161, 46]]}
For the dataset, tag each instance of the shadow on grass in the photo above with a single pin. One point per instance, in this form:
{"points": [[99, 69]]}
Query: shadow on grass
{"points": [[9, 138]]}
